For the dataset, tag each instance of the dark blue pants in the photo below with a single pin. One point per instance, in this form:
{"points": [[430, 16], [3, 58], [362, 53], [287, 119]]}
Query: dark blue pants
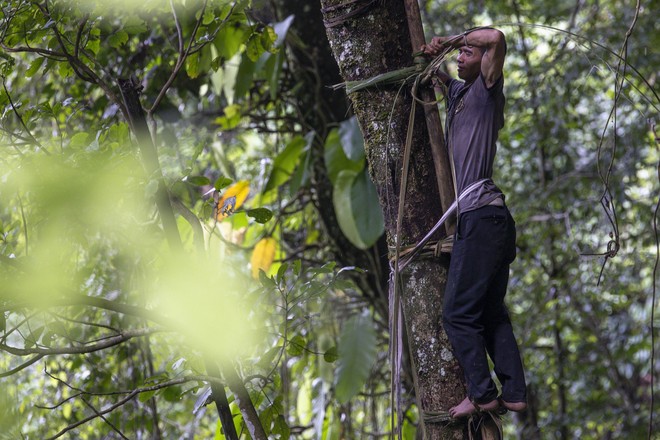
{"points": [[474, 315]]}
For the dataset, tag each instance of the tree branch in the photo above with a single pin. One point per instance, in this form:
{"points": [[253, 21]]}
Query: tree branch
{"points": [[110, 342]]}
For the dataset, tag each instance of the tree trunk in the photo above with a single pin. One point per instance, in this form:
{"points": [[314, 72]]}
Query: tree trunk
{"points": [[367, 41]]}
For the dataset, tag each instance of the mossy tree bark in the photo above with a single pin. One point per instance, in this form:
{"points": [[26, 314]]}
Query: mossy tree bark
{"points": [[371, 42]]}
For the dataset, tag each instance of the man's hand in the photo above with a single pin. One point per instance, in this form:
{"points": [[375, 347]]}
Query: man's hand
{"points": [[439, 44], [435, 46]]}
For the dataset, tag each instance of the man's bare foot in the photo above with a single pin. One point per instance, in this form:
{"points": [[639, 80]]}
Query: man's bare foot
{"points": [[466, 408], [514, 406]]}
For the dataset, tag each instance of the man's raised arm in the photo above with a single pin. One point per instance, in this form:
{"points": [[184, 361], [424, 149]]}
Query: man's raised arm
{"points": [[490, 41]]}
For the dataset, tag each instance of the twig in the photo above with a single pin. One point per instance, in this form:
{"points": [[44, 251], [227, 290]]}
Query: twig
{"points": [[183, 53], [20, 118], [114, 428], [23, 366]]}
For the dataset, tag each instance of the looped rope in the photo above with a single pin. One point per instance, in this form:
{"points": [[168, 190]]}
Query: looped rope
{"points": [[431, 249], [478, 422], [437, 417]]}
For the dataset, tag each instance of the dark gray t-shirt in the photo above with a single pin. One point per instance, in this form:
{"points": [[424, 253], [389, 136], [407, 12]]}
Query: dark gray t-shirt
{"points": [[475, 114]]}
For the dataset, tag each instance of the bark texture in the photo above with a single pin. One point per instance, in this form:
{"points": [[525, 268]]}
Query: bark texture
{"points": [[376, 40]]}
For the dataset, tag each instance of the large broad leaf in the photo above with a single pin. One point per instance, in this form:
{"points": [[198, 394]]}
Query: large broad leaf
{"points": [[352, 140], [335, 157], [357, 353], [341, 198], [366, 209], [285, 162], [358, 212]]}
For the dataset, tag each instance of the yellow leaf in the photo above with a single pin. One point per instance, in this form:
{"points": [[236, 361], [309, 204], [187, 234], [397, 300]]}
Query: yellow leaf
{"points": [[263, 255], [232, 199]]}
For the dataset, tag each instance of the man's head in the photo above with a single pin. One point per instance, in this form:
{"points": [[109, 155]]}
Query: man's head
{"points": [[469, 62]]}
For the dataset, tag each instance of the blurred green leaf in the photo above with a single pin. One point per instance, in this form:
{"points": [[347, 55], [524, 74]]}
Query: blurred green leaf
{"points": [[285, 163], [260, 215], [357, 354], [198, 180]]}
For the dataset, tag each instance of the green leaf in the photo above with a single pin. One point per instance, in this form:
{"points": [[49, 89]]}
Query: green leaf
{"points": [[285, 163], [35, 66], [357, 207], [341, 198], [331, 354], [335, 158], [146, 396], [3, 322], [266, 360], [231, 118], [254, 47], [33, 337], [192, 65], [352, 140], [366, 209], [229, 39], [281, 427], [79, 140], [244, 77], [296, 345], [118, 38], [198, 180], [94, 43], [172, 393], [273, 70], [222, 182], [260, 215], [357, 353]]}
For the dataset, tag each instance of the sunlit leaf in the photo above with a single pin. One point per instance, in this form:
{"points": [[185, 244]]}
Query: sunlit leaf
{"points": [[232, 199], [263, 255], [192, 65], [221, 183], [285, 162]]}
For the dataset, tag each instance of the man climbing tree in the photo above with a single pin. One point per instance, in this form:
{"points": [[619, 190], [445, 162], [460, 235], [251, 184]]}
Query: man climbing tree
{"points": [[474, 315]]}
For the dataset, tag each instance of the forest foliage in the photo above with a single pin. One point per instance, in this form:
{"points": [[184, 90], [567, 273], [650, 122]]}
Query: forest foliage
{"points": [[113, 321]]}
